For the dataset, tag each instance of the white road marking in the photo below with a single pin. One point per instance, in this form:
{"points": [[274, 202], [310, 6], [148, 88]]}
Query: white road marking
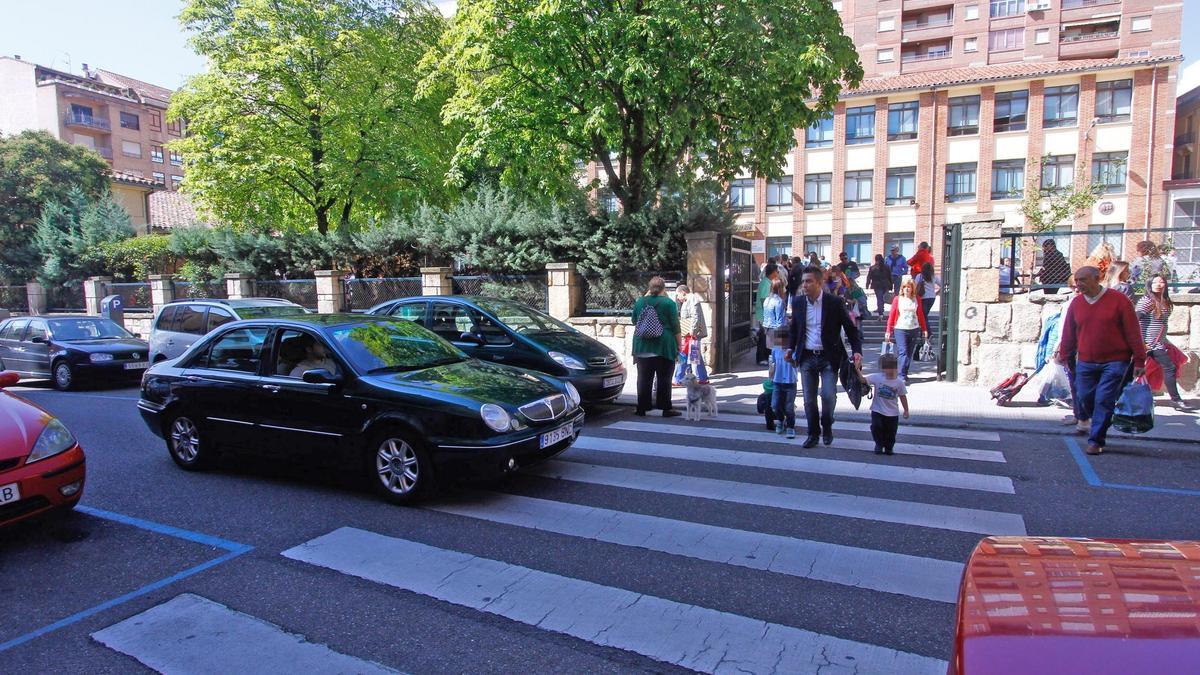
{"points": [[191, 634], [859, 567], [689, 636], [839, 425]]}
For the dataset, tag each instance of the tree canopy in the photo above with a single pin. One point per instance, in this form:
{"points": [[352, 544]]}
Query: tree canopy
{"points": [[72, 236], [656, 92], [307, 115]]}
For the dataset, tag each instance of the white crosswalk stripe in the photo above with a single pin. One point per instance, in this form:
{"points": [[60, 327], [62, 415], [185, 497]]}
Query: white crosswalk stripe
{"points": [[760, 435], [685, 635], [861, 427], [863, 568], [829, 467]]}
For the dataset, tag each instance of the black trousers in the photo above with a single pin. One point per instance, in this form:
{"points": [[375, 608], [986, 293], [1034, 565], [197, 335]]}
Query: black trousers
{"points": [[883, 430], [650, 369]]}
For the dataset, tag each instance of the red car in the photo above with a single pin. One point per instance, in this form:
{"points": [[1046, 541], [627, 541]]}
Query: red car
{"points": [[41, 463], [1064, 605]]}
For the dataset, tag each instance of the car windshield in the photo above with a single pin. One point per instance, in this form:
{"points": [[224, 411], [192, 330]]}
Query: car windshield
{"points": [[86, 329], [522, 319], [263, 311], [381, 346]]}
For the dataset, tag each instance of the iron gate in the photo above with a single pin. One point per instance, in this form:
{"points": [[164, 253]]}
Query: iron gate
{"points": [[734, 308], [947, 367]]}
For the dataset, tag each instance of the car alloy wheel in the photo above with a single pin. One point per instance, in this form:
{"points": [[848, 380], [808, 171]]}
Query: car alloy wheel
{"points": [[400, 469], [64, 377], [185, 443]]}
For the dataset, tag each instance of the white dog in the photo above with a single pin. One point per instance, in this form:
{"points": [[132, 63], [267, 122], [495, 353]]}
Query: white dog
{"points": [[697, 395]]}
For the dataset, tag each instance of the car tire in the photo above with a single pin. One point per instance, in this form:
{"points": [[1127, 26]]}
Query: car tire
{"points": [[187, 444], [398, 467], [63, 376]]}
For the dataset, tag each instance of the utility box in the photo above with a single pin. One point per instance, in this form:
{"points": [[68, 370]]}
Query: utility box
{"points": [[112, 307]]}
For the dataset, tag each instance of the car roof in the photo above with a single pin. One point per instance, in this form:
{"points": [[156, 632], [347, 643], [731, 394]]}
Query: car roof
{"points": [[317, 320], [234, 303]]}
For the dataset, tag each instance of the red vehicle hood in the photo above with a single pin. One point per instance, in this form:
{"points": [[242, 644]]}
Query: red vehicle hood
{"points": [[21, 422]]}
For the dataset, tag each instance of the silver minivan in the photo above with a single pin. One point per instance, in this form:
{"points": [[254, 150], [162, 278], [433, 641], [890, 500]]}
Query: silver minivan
{"points": [[181, 323]]}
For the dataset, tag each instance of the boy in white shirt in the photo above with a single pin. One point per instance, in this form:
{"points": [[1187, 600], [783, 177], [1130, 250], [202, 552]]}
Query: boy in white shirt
{"points": [[885, 413]]}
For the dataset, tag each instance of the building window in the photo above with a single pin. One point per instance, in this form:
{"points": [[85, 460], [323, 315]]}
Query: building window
{"points": [[859, 188], [607, 200], [1107, 233], [1007, 8], [1187, 243], [971, 44], [901, 185], [131, 149], [887, 23], [819, 135], [156, 154], [129, 121], [858, 248], [1139, 23], [860, 125], [1058, 173], [174, 128], [1006, 40], [779, 194], [821, 245], [1041, 36], [818, 191], [1008, 179], [741, 194], [159, 177], [971, 12], [885, 55], [777, 246], [1061, 106], [902, 120], [1114, 100], [1011, 107], [1109, 170], [155, 121], [964, 116], [176, 158], [908, 247], [960, 182], [175, 181]]}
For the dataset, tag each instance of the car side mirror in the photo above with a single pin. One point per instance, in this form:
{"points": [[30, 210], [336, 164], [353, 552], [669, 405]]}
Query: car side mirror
{"points": [[473, 338], [38, 340], [8, 378], [320, 376]]}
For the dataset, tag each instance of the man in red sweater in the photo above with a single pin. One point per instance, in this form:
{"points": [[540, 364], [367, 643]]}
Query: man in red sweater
{"points": [[1102, 331], [921, 257]]}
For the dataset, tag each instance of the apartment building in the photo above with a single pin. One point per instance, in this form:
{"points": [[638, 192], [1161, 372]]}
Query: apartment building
{"points": [[121, 118], [1183, 190]]}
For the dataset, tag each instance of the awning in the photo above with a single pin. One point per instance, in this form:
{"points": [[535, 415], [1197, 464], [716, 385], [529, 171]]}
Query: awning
{"points": [[1108, 18]]}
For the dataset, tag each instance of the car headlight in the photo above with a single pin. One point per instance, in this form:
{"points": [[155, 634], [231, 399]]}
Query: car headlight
{"points": [[97, 358], [495, 417], [567, 361], [55, 439], [573, 393]]}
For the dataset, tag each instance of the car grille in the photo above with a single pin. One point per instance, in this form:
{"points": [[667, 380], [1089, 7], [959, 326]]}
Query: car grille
{"points": [[6, 464], [602, 361], [130, 356], [546, 409]]}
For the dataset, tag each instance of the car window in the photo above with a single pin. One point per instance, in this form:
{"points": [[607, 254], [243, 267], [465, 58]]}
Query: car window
{"points": [[270, 311], [166, 319], [218, 317], [37, 329], [412, 311], [523, 319], [239, 350], [13, 330], [190, 319], [86, 329], [393, 345], [450, 321], [292, 350]]}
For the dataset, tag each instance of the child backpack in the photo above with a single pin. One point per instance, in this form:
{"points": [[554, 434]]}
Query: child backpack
{"points": [[649, 326]]}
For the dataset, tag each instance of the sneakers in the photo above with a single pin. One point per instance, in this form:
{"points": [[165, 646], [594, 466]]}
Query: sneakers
{"points": [[791, 433], [779, 428], [1083, 426]]}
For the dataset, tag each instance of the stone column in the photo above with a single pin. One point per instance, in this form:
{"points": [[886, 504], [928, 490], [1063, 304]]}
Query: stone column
{"points": [[331, 292], [94, 290], [565, 290], [239, 285], [162, 290], [436, 281], [981, 316], [35, 297], [704, 279]]}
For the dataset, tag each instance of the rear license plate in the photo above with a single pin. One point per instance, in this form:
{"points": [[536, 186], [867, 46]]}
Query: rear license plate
{"points": [[560, 434], [138, 365], [613, 381], [9, 493]]}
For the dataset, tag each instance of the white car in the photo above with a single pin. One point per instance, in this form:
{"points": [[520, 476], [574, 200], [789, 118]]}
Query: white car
{"points": [[181, 323]]}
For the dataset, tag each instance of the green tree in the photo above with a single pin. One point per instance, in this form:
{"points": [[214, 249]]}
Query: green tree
{"points": [[36, 168], [655, 91], [307, 115], [1047, 208], [71, 236]]}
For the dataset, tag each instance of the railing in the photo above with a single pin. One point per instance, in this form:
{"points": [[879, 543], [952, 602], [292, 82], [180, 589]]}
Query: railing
{"points": [[931, 56], [612, 295], [303, 292], [81, 120], [201, 289], [919, 25], [14, 298], [64, 299], [1088, 37], [1184, 139], [363, 294], [135, 295], [1072, 4], [529, 289]]}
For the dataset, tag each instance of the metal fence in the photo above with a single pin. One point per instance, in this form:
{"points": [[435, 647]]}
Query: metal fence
{"points": [[201, 289], [529, 289], [615, 294], [135, 295], [363, 294], [14, 298], [303, 292]]}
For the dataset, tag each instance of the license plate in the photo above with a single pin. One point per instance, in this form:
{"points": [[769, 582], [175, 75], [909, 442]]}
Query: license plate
{"points": [[560, 434], [138, 365], [613, 381], [9, 493]]}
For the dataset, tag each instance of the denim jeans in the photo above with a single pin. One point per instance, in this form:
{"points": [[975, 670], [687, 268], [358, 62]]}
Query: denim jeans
{"points": [[906, 346], [1099, 386], [814, 368], [783, 402], [926, 305], [897, 279], [682, 366], [880, 299]]}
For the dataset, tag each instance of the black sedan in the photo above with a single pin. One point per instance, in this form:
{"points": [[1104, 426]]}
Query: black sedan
{"points": [[378, 395], [68, 349], [509, 332]]}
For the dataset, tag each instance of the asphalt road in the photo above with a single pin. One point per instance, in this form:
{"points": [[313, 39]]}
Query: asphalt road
{"points": [[654, 545]]}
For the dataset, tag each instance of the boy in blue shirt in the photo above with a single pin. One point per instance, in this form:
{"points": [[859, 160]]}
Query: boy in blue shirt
{"points": [[890, 395], [783, 378]]}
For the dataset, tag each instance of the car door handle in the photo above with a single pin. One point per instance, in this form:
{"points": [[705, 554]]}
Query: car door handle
{"points": [[191, 378], [273, 388]]}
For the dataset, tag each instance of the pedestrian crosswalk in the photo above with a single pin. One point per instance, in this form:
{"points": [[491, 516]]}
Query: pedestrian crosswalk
{"points": [[890, 532]]}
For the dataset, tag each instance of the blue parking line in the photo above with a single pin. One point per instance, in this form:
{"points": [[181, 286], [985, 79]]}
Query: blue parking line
{"points": [[1089, 473], [233, 550], [1093, 479]]}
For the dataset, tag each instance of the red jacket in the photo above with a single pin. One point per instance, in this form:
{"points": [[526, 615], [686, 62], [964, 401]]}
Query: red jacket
{"points": [[1103, 332], [895, 316], [922, 256]]}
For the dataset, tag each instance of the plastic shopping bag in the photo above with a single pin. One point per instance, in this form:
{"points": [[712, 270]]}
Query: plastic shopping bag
{"points": [[1053, 383], [888, 347], [1134, 413]]}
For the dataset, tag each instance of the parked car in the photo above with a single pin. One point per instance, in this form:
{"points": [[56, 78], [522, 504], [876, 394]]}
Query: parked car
{"points": [[1067, 605], [503, 331], [181, 323], [67, 349], [42, 467], [392, 400]]}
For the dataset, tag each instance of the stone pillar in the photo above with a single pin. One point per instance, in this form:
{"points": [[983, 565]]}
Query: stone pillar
{"points": [[436, 281], [331, 292], [162, 290], [704, 279], [565, 290], [35, 296], [980, 318], [239, 285], [94, 290]]}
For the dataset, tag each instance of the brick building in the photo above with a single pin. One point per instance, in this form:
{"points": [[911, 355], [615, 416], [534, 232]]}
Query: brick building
{"points": [[121, 118]]}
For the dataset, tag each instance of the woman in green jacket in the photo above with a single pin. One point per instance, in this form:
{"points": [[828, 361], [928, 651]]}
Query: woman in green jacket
{"points": [[655, 347]]}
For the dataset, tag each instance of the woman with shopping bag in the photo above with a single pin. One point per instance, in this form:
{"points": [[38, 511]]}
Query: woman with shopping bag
{"points": [[903, 323], [1153, 311]]}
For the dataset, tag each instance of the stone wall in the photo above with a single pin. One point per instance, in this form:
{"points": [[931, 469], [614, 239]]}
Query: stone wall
{"points": [[615, 332]]}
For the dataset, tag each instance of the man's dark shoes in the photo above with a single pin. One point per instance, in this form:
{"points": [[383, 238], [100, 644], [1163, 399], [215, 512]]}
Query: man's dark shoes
{"points": [[810, 442], [1093, 449], [827, 438], [878, 450], [671, 413], [888, 451]]}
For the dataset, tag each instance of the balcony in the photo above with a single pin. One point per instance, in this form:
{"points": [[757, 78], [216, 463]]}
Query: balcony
{"points": [[924, 24], [1184, 140], [1089, 37], [913, 57], [87, 121], [1089, 41], [1075, 4]]}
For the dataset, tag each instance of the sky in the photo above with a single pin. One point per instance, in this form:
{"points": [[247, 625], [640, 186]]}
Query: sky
{"points": [[142, 38]]}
